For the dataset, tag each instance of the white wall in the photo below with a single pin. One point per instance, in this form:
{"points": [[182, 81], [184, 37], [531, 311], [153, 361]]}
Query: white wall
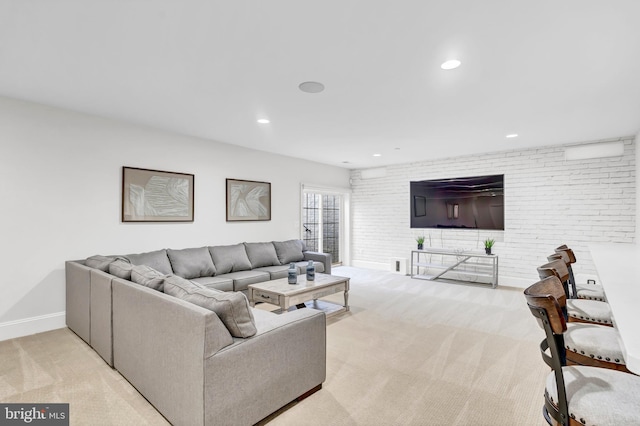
{"points": [[61, 199], [548, 202], [637, 140]]}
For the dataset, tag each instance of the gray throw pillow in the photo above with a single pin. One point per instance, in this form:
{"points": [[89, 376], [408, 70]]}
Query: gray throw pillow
{"points": [[230, 258], [231, 307], [192, 262], [148, 277], [99, 262], [261, 254], [289, 251], [121, 268]]}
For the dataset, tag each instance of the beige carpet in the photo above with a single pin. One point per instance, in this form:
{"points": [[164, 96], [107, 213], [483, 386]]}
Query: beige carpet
{"points": [[410, 352]]}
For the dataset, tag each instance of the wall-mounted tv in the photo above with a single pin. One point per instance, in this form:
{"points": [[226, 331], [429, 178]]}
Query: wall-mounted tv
{"points": [[465, 203]]}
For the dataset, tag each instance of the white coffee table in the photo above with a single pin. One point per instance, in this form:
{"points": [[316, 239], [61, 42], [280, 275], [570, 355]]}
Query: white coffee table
{"points": [[280, 293]]}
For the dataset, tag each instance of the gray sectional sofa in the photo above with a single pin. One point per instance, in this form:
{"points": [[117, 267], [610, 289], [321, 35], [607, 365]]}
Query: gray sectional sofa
{"points": [[164, 320]]}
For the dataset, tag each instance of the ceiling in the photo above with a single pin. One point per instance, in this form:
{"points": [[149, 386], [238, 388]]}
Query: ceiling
{"points": [[552, 71]]}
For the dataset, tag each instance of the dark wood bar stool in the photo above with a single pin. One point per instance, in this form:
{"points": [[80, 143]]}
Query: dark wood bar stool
{"points": [[585, 343], [578, 395], [578, 310], [580, 290]]}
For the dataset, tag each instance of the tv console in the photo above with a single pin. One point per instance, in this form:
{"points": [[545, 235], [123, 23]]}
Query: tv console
{"points": [[465, 263]]}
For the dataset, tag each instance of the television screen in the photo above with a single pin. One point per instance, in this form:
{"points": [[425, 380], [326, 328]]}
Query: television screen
{"points": [[471, 202]]}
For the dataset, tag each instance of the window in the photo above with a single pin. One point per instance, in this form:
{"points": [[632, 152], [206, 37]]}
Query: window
{"points": [[322, 222]]}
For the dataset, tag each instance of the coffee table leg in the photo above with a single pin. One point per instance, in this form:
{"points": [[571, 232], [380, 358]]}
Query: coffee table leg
{"points": [[346, 300], [252, 302]]}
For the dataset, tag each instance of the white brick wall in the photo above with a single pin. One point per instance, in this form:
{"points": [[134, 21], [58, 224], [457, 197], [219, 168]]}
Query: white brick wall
{"points": [[548, 202]]}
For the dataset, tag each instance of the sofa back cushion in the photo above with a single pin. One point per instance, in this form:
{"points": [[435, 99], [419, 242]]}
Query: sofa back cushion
{"points": [[261, 254], [231, 307], [192, 262], [121, 268], [148, 277], [230, 258], [99, 262], [158, 260], [289, 251]]}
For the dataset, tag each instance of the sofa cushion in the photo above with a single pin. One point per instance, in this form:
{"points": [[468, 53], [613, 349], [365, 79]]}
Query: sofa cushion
{"points": [[148, 277], [242, 279], [121, 268], [230, 258], [216, 283], [99, 262], [231, 307], [261, 254], [275, 272], [192, 262], [158, 260], [289, 251]]}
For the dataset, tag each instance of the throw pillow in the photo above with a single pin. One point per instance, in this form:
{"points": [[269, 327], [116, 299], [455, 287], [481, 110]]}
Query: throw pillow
{"points": [[231, 307], [148, 277], [121, 268], [230, 258], [261, 254], [99, 262], [192, 262], [289, 251]]}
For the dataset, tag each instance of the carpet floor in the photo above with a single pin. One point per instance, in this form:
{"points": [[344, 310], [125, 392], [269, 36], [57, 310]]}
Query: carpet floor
{"points": [[409, 352]]}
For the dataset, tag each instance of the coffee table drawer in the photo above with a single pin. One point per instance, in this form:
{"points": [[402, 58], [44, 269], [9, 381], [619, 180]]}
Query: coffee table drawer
{"points": [[260, 296]]}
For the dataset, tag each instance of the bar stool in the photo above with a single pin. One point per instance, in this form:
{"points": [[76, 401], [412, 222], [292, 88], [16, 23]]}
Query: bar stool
{"points": [[578, 395], [581, 290], [586, 343], [578, 310]]}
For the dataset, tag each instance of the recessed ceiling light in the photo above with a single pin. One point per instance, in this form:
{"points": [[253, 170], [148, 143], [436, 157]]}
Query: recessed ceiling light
{"points": [[450, 64], [311, 87], [263, 121], [512, 135], [377, 155]]}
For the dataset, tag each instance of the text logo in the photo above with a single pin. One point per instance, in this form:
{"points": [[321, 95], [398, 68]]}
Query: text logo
{"points": [[34, 414]]}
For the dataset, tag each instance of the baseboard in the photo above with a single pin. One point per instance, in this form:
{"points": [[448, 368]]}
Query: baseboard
{"points": [[33, 325], [370, 265]]}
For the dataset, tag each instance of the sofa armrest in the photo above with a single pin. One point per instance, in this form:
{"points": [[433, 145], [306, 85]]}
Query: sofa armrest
{"points": [[160, 344], [100, 312], [325, 258], [78, 299], [284, 360]]}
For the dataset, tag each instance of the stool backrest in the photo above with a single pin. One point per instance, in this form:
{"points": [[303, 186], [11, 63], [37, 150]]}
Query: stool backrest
{"points": [[557, 268], [544, 299], [565, 249], [570, 259]]}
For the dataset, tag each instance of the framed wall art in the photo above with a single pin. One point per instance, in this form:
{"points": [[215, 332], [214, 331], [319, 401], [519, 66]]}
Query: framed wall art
{"points": [[248, 200], [156, 196]]}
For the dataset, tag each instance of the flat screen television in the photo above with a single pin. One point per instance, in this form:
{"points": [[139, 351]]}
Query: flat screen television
{"points": [[466, 203]]}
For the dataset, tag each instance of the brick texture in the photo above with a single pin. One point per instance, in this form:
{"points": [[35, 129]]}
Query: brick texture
{"points": [[548, 202]]}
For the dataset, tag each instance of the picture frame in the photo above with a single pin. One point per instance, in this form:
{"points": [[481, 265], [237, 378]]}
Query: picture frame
{"points": [[157, 196], [248, 200]]}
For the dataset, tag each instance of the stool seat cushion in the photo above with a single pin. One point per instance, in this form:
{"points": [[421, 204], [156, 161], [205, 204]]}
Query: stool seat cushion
{"points": [[598, 396], [590, 310], [595, 341], [590, 292]]}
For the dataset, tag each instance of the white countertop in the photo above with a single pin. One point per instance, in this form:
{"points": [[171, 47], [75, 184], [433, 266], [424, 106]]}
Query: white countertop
{"points": [[618, 266]]}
